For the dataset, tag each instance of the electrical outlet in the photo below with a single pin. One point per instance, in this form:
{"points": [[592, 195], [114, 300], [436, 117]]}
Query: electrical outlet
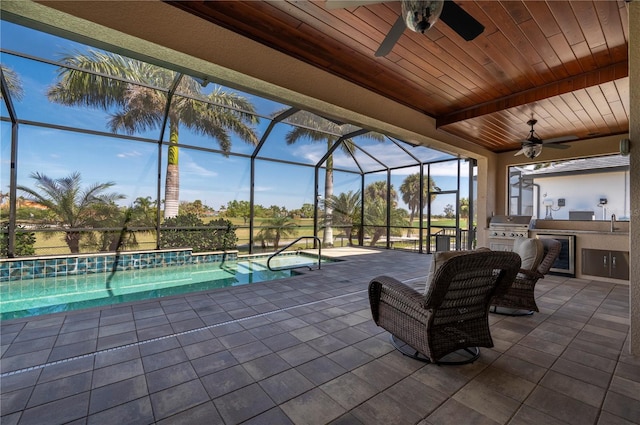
{"points": [[561, 202]]}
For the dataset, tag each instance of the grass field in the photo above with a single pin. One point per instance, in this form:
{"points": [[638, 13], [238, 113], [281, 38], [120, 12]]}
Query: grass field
{"points": [[52, 243]]}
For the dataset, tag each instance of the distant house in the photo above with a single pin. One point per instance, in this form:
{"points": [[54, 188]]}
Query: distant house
{"points": [[25, 203], [21, 203], [581, 189]]}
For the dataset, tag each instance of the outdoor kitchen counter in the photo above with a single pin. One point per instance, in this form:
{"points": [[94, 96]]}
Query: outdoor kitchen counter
{"points": [[594, 239], [588, 235], [579, 232], [576, 226]]}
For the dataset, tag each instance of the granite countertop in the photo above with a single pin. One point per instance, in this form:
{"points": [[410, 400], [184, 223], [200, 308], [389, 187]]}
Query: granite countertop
{"points": [[580, 232]]}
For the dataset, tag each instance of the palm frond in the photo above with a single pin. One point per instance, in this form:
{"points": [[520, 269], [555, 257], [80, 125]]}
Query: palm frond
{"points": [[77, 87], [244, 108], [218, 122], [66, 199], [300, 133], [14, 83]]}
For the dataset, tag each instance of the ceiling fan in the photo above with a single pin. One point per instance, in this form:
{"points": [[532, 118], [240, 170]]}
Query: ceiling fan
{"points": [[532, 145], [419, 16]]}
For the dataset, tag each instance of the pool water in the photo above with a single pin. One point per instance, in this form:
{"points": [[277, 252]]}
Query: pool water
{"points": [[64, 293]]}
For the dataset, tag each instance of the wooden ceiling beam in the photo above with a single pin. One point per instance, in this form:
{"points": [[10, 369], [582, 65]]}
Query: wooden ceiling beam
{"points": [[582, 81]]}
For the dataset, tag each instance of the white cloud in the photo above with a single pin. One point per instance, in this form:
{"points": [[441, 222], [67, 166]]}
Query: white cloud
{"points": [[132, 154], [263, 188], [387, 153], [311, 152], [189, 166], [449, 168]]}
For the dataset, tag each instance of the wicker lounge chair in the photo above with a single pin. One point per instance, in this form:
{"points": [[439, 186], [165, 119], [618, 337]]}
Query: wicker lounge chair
{"points": [[452, 315], [520, 299]]}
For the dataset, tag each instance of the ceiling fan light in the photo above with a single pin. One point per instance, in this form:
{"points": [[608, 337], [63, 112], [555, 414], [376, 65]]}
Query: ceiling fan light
{"points": [[420, 15], [532, 151]]}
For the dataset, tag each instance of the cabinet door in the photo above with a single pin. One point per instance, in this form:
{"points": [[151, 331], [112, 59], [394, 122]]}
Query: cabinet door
{"points": [[595, 262], [619, 265]]}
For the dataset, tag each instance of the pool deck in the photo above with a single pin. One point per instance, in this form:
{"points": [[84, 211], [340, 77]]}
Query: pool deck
{"points": [[304, 350]]}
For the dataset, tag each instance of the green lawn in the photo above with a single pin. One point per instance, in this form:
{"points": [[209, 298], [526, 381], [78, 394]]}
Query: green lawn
{"points": [[53, 243]]}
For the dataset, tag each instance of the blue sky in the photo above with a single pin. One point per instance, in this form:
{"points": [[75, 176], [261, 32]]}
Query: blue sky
{"points": [[133, 166]]}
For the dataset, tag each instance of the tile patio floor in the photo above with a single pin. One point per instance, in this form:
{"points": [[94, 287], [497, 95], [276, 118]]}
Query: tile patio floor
{"points": [[304, 350]]}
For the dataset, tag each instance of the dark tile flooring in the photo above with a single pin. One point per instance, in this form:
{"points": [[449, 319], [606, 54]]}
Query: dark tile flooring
{"points": [[305, 351]]}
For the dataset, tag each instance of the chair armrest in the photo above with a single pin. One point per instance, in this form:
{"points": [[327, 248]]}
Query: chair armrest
{"points": [[387, 290], [531, 274]]}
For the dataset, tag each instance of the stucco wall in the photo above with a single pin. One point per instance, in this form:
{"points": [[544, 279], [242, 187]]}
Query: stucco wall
{"points": [[579, 149], [613, 186], [634, 136]]}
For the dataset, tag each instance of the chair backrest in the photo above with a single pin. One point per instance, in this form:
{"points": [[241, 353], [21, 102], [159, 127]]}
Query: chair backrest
{"points": [[552, 249], [464, 286], [441, 257], [531, 252]]}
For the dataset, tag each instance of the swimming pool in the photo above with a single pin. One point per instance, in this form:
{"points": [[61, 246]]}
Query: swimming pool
{"points": [[64, 293]]}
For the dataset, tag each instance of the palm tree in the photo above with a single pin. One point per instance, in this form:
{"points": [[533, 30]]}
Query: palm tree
{"points": [[464, 208], [318, 129], [375, 213], [410, 190], [110, 215], [346, 210], [14, 84], [73, 205], [143, 212], [378, 190], [143, 108], [277, 227]]}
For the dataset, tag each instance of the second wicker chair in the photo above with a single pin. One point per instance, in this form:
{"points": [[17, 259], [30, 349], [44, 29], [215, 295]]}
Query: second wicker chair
{"points": [[453, 313], [520, 299]]}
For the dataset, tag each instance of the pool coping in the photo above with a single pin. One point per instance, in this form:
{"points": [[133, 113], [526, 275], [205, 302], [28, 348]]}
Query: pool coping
{"points": [[26, 268]]}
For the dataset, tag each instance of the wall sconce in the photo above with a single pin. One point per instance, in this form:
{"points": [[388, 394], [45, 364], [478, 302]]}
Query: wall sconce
{"points": [[625, 147], [548, 205]]}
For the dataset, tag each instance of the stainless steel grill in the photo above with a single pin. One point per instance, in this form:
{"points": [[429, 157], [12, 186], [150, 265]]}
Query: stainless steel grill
{"points": [[505, 229]]}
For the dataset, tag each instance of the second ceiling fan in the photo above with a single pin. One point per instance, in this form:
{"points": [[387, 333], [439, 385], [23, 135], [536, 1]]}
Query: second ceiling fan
{"points": [[532, 145], [419, 16]]}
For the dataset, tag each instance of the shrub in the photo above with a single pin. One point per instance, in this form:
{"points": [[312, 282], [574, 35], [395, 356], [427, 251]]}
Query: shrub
{"points": [[188, 231], [24, 245]]}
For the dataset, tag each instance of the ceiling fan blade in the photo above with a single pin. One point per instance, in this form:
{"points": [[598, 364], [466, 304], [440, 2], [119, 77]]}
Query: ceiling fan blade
{"points": [[520, 152], [460, 21], [561, 139], [556, 146], [346, 4], [555, 143], [392, 37]]}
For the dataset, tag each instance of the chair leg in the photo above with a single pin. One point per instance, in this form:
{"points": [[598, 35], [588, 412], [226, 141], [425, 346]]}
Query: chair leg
{"points": [[407, 350], [469, 354], [511, 311]]}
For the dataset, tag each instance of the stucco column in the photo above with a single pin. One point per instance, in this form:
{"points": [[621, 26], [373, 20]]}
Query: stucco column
{"points": [[634, 174]]}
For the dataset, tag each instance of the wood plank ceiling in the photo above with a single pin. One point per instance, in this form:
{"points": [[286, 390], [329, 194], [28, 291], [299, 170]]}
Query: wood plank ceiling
{"points": [[563, 62]]}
